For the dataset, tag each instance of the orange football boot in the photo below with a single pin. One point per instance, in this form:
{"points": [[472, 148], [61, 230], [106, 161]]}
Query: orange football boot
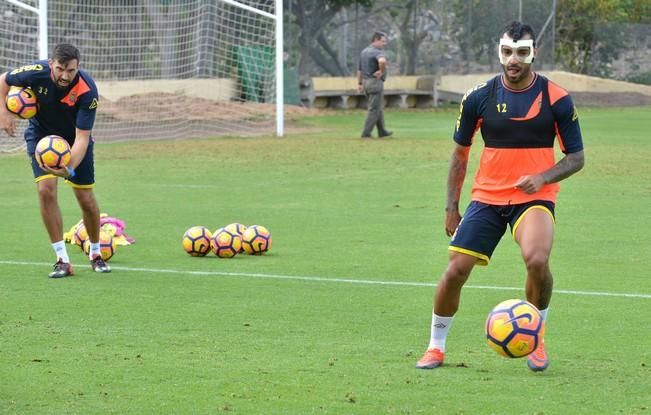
{"points": [[537, 361], [432, 358]]}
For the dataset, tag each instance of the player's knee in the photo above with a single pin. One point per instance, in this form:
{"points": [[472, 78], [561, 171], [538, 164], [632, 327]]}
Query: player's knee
{"points": [[456, 274], [47, 195], [88, 204], [537, 262]]}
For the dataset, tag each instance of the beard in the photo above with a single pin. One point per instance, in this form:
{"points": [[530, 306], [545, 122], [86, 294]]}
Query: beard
{"points": [[516, 73], [61, 84]]}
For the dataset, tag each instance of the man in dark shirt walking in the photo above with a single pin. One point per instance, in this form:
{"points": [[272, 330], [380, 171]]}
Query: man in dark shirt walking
{"points": [[371, 73]]}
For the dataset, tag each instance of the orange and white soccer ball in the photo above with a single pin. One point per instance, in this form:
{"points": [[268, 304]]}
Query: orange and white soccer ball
{"points": [[514, 328], [237, 228], [226, 244], [80, 235], [107, 245], [52, 151], [196, 241], [256, 240], [22, 102]]}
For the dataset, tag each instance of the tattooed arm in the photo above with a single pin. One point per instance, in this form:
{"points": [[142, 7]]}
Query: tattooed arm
{"points": [[456, 176], [566, 167]]}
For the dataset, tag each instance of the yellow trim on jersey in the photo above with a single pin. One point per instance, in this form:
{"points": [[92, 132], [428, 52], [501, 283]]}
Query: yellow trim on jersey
{"points": [[463, 101], [481, 258], [541, 207]]}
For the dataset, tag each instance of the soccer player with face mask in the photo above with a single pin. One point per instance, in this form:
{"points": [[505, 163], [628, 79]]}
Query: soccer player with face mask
{"points": [[520, 114], [68, 100]]}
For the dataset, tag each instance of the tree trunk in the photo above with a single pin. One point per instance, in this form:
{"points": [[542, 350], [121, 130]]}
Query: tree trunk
{"points": [[164, 30]]}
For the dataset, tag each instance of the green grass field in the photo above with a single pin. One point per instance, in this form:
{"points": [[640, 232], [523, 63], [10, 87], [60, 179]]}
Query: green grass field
{"points": [[334, 317]]}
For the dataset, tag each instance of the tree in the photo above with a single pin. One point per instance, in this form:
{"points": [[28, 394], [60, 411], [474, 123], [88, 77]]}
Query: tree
{"points": [[412, 23], [593, 33], [477, 24], [313, 20], [584, 46], [164, 28]]}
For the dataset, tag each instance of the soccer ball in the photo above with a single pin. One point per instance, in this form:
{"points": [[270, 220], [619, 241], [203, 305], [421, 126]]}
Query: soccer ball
{"points": [[110, 228], [226, 244], [237, 228], [22, 102], [514, 328], [80, 235], [196, 241], [256, 240], [107, 245], [52, 151]]}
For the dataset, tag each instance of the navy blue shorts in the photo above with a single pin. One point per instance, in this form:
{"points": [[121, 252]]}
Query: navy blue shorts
{"points": [[483, 225], [84, 173]]}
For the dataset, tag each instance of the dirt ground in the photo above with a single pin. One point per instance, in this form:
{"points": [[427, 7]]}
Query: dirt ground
{"points": [[162, 106]]}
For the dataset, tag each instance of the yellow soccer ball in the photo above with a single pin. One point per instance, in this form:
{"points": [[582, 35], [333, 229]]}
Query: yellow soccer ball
{"points": [[22, 102], [256, 240], [107, 245], [52, 151], [514, 328], [226, 244], [196, 241]]}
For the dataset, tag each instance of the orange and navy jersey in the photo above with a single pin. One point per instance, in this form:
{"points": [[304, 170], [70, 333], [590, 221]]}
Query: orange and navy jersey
{"points": [[60, 110], [519, 129]]}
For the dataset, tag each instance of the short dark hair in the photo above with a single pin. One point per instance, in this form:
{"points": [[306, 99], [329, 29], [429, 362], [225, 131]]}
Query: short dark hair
{"points": [[516, 30], [378, 35], [65, 52]]}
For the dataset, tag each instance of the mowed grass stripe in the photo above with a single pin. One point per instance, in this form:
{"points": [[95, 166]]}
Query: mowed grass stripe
{"points": [[339, 280]]}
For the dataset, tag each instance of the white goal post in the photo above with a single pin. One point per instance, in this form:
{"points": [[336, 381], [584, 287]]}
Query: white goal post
{"points": [[165, 69]]}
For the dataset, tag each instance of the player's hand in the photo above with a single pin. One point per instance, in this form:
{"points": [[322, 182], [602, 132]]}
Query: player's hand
{"points": [[64, 171], [8, 123], [530, 184], [452, 220], [360, 87], [377, 74]]}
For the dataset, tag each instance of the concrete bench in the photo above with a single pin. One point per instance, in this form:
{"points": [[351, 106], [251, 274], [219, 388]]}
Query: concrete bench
{"points": [[410, 92], [399, 92]]}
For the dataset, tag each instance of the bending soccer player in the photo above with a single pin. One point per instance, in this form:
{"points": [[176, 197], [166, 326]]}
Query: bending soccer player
{"points": [[68, 101], [520, 114]]}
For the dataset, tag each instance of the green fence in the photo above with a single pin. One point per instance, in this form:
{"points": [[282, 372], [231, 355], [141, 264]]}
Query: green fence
{"points": [[256, 72]]}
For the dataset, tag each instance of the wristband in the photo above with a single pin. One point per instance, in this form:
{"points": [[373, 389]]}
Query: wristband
{"points": [[71, 172]]}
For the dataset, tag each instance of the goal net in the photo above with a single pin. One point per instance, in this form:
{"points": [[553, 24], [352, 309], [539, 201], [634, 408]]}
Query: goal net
{"points": [[165, 69]]}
